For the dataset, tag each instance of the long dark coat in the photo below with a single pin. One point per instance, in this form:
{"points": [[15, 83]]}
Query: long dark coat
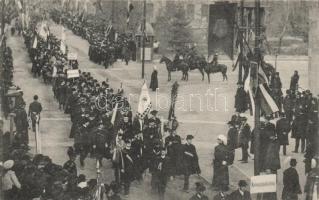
{"points": [[189, 164], [310, 183], [299, 126], [236, 195], [221, 175], [282, 130], [267, 131], [173, 145], [241, 104], [154, 81], [291, 184]]}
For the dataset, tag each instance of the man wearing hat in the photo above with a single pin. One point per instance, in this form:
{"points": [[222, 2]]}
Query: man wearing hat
{"points": [[10, 182], [294, 81], [35, 109], [190, 161], [232, 140], [127, 167], [162, 172], [298, 131], [241, 103], [288, 105], [244, 138], [282, 130], [154, 80], [241, 193], [70, 165], [291, 182], [200, 189]]}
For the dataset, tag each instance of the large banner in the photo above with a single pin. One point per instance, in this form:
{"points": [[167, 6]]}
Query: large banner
{"points": [[221, 28]]}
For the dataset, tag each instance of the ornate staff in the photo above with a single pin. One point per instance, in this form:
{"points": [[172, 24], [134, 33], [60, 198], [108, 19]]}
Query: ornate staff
{"points": [[174, 91]]}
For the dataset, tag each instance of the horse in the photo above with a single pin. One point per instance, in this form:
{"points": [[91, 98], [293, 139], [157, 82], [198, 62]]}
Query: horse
{"points": [[194, 62], [213, 68], [172, 66]]}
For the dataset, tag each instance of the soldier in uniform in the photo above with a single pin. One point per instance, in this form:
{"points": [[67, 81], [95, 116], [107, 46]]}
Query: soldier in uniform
{"points": [[35, 109], [127, 167], [162, 172], [190, 161]]}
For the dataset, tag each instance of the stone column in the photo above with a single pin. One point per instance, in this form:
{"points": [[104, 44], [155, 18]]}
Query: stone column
{"points": [[313, 51]]}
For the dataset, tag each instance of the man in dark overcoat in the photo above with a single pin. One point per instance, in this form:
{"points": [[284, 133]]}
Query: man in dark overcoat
{"points": [[291, 182], [173, 144], [241, 193], [190, 163], [299, 127], [127, 167], [282, 129], [244, 138], [232, 140]]}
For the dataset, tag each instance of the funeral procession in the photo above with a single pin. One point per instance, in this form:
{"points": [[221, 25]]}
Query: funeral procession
{"points": [[159, 99]]}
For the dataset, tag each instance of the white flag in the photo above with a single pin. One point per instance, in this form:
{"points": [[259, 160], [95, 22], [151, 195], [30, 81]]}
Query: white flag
{"points": [[35, 43], [145, 104]]}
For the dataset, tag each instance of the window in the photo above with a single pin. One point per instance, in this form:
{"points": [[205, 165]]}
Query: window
{"points": [[205, 10], [190, 10]]}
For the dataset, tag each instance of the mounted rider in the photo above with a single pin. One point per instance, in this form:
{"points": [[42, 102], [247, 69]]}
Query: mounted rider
{"points": [[215, 59]]}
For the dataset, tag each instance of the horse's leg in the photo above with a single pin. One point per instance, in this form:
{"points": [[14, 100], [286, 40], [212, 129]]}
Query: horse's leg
{"points": [[208, 77], [187, 75], [202, 72]]}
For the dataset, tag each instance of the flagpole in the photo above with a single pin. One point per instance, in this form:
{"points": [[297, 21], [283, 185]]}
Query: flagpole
{"points": [[257, 102], [143, 39]]}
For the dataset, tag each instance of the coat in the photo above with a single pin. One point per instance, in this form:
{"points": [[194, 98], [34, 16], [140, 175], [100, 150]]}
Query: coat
{"points": [[232, 138], [241, 100], [221, 175], [189, 164], [244, 135], [154, 81], [291, 184], [312, 180], [282, 130], [236, 195], [299, 126]]}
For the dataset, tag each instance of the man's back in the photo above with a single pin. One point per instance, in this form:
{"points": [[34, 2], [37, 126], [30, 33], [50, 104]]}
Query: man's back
{"points": [[35, 107]]}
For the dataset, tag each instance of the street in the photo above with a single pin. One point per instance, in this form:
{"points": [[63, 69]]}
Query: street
{"points": [[211, 105]]}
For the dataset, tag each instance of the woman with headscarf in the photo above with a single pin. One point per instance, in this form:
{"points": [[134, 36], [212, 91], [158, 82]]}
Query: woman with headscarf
{"points": [[10, 182], [220, 164], [154, 80]]}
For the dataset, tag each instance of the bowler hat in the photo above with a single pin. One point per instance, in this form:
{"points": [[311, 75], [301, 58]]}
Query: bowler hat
{"points": [[189, 137], [242, 183]]}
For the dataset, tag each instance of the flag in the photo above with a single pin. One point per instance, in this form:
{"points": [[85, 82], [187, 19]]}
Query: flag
{"points": [[35, 43], [85, 6], [62, 3], [114, 113], [267, 103], [130, 7], [248, 89], [262, 76], [144, 104], [76, 5]]}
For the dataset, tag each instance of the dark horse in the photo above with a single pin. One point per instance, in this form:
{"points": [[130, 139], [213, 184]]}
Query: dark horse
{"points": [[213, 68], [172, 66]]}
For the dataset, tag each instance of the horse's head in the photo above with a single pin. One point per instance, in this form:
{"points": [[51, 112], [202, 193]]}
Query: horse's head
{"points": [[162, 59]]}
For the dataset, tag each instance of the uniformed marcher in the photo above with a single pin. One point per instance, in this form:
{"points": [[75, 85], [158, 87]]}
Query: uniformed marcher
{"points": [[241, 193], [127, 167], [299, 126], [291, 182], [173, 144], [162, 172], [35, 109]]}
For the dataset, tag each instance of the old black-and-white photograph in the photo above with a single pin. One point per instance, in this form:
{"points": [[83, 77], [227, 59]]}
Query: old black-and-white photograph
{"points": [[159, 99]]}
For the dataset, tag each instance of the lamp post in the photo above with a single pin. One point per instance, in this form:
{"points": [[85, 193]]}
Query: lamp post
{"points": [[143, 39], [257, 102]]}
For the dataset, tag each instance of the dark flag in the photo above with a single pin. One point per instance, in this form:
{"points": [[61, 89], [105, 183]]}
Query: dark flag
{"points": [[130, 7], [221, 28]]}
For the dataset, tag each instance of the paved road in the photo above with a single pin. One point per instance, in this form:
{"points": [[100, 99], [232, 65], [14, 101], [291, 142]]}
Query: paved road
{"points": [[55, 127], [211, 105]]}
